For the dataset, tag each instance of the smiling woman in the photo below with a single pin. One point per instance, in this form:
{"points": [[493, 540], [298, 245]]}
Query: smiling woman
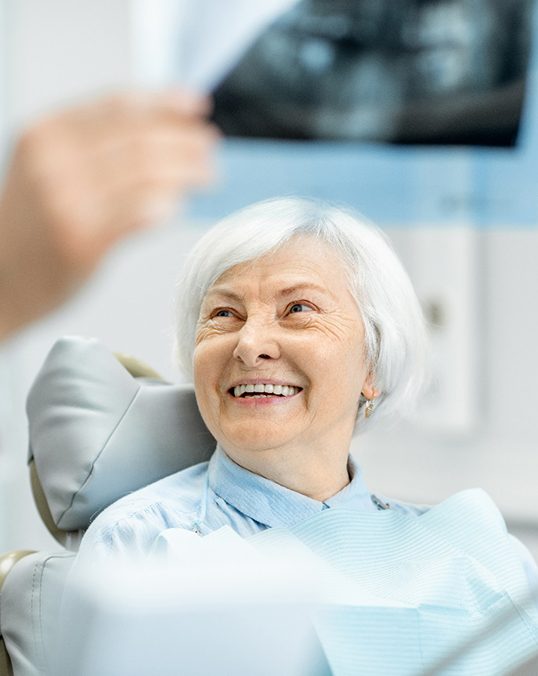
{"points": [[287, 334], [300, 328]]}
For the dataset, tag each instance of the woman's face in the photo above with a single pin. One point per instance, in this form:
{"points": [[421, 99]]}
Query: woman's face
{"points": [[280, 360]]}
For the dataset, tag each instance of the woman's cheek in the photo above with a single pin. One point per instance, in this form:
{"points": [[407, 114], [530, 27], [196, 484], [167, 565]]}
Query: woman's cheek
{"points": [[211, 352]]}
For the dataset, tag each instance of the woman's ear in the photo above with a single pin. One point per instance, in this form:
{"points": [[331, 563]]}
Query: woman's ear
{"points": [[369, 390]]}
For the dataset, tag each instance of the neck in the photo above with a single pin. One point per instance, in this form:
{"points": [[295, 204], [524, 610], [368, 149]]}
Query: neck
{"points": [[318, 477]]}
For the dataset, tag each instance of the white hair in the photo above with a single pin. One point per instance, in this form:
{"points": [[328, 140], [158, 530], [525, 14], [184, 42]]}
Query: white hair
{"points": [[395, 333]]}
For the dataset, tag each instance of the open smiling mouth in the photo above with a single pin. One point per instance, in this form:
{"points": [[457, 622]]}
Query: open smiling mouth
{"points": [[260, 391]]}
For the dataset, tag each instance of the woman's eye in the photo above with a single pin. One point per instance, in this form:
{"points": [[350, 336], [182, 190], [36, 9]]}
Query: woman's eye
{"points": [[223, 313], [300, 307]]}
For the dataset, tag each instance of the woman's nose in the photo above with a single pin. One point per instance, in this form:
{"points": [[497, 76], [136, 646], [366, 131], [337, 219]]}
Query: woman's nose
{"points": [[256, 342]]}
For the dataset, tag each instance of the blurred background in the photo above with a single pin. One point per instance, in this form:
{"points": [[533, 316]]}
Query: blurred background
{"points": [[442, 153]]}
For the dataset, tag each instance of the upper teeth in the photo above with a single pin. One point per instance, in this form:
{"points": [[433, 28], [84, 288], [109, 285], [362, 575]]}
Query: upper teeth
{"points": [[266, 388]]}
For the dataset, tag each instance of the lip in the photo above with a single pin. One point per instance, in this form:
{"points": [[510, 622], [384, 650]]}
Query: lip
{"points": [[256, 402]]}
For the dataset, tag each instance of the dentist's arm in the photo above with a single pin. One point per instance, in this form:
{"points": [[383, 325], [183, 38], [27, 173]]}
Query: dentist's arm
{"points": [[82, 179]]}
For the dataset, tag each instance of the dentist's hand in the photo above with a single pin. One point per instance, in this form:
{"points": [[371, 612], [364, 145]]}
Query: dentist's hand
{"points": [[82, 179]]}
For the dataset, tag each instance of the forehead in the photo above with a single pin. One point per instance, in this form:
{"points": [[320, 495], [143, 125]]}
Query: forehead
{"points": [[304, 260]]}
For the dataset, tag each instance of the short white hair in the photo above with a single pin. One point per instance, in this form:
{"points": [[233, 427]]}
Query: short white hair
{"points": [[396, 342]]}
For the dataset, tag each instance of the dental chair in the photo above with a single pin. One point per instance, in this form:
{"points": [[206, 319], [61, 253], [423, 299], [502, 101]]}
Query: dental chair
{"points": [[100, 427]]}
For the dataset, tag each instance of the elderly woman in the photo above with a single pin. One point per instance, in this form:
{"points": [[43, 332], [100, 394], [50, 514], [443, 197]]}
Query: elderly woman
{"points": [[300, 328]]}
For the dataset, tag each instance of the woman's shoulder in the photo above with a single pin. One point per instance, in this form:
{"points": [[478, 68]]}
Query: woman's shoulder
{"points": [[133, 521]]}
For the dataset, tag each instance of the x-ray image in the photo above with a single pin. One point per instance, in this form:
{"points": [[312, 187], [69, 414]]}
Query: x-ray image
{"points": [[412, 71]]}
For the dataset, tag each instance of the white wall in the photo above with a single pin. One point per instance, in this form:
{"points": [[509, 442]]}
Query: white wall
{"points": [[128, 305], [59, 50]]}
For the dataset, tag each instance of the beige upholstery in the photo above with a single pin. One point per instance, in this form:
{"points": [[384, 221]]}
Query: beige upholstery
{"points": [[5, 662], [100, 426], [43, 506]]}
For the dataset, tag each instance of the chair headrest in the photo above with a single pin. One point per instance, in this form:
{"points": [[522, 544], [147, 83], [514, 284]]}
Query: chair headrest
{"points": [[98, 433]]}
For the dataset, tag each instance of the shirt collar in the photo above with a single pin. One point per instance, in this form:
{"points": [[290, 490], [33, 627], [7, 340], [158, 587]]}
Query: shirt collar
{"points": [[273, 505]]}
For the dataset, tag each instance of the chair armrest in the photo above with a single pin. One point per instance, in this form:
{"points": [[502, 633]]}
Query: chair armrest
{"points": [[7, 561]]}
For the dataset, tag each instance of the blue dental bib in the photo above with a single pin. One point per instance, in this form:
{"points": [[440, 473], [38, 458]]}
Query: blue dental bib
{"points": [[436, 580]]}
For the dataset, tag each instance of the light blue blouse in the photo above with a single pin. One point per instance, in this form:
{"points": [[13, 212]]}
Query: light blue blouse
{"points": [[213, 494], [210, 495]]}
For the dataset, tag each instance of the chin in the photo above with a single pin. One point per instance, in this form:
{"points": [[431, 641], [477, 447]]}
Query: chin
{"points": [[254, 437]]}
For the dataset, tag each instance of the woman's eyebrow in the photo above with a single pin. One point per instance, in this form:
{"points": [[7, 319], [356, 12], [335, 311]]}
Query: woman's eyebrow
{"points": [[224, 292], [303, 286]]}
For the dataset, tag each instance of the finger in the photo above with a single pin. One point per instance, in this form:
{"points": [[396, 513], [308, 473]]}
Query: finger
{"points": [[120, 155], [148, 143], [146, 158], [115, 117], [132, 113], [184, 102]]}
